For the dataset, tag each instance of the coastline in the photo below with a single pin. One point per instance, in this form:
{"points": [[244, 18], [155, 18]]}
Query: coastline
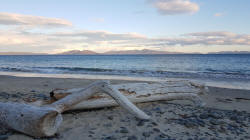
{"points": [[220, 83], [180, 119]]}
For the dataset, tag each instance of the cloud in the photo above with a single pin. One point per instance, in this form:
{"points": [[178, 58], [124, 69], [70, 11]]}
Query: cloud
{"points": [[11, 40], [101, 35], [29, 20], [212, 34], [218, 14], [209, 38], [100, 41], [175, 7], [23, 38]]}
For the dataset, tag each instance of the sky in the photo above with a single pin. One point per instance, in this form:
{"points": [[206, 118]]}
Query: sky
{"points": [[53, 26]]}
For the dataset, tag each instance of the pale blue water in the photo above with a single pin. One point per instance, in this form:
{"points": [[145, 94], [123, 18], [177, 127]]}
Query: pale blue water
{"points": [[223, 66]]}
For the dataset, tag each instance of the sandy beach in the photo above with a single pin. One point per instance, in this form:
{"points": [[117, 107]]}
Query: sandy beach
{"points": [[125, 70], [226, 114]]}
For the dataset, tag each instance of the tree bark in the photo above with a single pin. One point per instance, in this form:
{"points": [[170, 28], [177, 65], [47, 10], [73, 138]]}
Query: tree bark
{"points": [[31, 120]]}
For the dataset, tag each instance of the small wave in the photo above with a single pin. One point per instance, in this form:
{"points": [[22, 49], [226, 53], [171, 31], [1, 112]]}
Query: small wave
{"points": [[15, 69], [208, 73], [76, 69], [228, 72]]}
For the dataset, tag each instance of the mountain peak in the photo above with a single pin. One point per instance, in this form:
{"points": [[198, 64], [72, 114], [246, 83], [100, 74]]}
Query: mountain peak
{"points": [[144, 51], [78, 52]]}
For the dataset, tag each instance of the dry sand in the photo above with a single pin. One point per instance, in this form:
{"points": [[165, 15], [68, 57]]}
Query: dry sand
{"points": [[225, 116]]}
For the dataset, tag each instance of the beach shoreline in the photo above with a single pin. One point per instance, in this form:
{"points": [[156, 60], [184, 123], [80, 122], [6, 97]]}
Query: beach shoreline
{"points": [[220, 83], [118, 124]]}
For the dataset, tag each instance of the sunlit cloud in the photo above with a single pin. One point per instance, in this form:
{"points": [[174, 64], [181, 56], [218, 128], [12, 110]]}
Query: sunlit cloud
{"points": [[20, 38], [101, 35], [175, 7], [213, 34], [205, 39], [29, 20], [104, 41]]}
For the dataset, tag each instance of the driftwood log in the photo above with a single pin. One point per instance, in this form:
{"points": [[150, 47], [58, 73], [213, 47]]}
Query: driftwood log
{"points": [[44, 121], [139, 93], [30, 120]]}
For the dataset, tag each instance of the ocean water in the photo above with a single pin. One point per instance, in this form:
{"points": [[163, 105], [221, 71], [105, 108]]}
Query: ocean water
{"points": [[229, 66], [225, 67]]}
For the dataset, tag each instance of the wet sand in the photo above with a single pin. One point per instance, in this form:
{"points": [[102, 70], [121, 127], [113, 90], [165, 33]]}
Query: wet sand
{"points": [[225, 116]]}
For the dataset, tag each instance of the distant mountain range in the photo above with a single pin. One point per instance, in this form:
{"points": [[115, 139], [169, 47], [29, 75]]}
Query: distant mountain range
{"points": [[126, 52], [78, 52], [145, 51]]}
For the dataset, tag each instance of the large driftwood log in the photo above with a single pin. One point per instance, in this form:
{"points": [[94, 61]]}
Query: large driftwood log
{"points": [[45, 120], [107, 102], [103, 87], [140, 92], [31, 120]]}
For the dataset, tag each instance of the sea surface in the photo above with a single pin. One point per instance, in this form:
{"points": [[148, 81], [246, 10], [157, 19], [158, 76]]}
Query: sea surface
{"points": [[224, 67]]}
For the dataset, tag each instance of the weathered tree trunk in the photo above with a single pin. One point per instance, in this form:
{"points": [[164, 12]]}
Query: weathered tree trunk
{"points": [[68, 102], [45, 120], [31, 120], [138, 93], [107, 102], [138, 89]]}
